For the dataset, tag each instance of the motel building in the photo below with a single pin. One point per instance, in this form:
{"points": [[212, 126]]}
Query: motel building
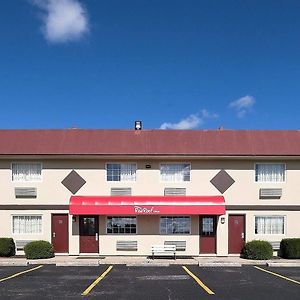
{"points": [[118, 192]]}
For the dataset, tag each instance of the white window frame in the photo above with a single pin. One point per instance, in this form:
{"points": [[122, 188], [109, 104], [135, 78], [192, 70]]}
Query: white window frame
{"points": [[24, 163], [270, 163], [175, 163], [27, 215], [175, 234], [121, 163], [121, 234], [271, 234]]}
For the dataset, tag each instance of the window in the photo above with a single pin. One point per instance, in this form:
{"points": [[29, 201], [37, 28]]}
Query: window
{"points": [[175, 225], [208, 226], [269, 225], [121, 225], [175, 172], [27, 224], [88, 226], [270, 172], [26, 172], [121, 172]]}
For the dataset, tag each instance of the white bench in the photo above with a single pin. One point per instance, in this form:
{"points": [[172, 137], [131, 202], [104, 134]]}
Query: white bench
{"points": [[163, 249]]}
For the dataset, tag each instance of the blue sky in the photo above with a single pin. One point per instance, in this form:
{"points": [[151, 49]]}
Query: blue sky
{"points": [[172, 64]]}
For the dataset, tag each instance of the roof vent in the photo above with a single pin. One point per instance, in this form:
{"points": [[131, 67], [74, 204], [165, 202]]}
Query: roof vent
{"points": [[138, 125]]}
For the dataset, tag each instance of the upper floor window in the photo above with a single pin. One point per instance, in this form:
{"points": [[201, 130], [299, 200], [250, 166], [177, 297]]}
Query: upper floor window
{"points": [[269, 224], [26, 172], [121, 172], [175, 172], [270, 172]]}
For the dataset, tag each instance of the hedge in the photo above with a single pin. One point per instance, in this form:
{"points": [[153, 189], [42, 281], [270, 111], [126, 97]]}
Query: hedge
{"points": [[7, 247], [257, 250], [38, 249], [290, 248]]}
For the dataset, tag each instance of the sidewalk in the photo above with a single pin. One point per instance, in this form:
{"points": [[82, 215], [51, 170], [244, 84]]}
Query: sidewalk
{"points": [[145, 261]]}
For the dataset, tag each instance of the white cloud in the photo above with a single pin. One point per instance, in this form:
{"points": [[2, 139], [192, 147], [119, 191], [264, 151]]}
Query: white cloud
{"points": [[191, 122], [243, 105], [63, 20]]}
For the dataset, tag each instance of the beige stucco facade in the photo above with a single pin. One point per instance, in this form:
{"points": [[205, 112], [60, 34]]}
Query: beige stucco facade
{"points": [[242, 198]]}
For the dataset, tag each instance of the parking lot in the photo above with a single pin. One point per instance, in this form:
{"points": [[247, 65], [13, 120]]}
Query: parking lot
{"points": [[173, 282]]}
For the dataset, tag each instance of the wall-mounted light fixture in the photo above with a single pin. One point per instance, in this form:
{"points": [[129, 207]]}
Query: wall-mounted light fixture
{"points": [[138, 125], [222, 220], [148, 166], [74, 219]]}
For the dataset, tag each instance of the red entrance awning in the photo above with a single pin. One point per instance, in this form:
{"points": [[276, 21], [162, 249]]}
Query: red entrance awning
{"points": [[147, 205]]}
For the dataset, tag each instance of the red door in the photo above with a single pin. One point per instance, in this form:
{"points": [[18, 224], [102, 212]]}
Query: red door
{"points": [[236, 233], [89, 234], [208, 234], [60, 233]]}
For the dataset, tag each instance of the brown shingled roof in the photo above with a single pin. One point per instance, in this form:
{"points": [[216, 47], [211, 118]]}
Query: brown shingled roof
{"points": [[151, 142]]}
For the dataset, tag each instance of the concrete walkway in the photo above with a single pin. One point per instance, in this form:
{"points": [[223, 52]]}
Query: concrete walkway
{"points": [[145, 261]]}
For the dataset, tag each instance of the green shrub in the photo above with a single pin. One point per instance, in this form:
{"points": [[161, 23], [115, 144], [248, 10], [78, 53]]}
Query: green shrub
{"points": [[258, 250], [290, 248], [7, 247], [38, 249]]}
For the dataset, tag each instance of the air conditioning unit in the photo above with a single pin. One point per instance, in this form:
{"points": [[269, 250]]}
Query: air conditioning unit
{"points": [[175, 191], [120, 191], [270, 193], [25, 192]]}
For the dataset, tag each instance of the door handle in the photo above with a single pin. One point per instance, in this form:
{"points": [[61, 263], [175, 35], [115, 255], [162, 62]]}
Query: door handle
{"points": [[53, 234], [97, 235], [243, 235]]}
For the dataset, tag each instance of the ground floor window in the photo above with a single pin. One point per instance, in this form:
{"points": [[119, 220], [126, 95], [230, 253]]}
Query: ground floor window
{"points": [[175, 225], [121, 225], [27, 224], [269, 225]]}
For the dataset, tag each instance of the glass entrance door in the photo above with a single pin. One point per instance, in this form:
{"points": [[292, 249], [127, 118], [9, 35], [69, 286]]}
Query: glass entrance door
{"points": [[207, 229], [89, 234]]}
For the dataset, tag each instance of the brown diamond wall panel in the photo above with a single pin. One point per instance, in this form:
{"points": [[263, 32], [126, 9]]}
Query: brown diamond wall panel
{"points": [[222, 181], [73, 182]]}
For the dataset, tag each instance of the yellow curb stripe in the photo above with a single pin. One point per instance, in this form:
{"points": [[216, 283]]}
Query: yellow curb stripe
{"points": [[89, 288], [20, 273], [207, 289], [278, 275]]}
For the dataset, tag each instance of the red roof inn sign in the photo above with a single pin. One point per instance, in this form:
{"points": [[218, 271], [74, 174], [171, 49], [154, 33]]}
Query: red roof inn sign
{"points": [[147, 205], [145, 210]]}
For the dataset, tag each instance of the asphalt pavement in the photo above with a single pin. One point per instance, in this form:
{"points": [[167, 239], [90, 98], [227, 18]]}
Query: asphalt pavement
{"points": [[152, 282]]}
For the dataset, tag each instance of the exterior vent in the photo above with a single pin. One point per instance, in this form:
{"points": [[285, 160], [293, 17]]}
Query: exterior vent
{"points": [[270, 193], [126, 245], [20, 244], [180, 245], [175, 191], [25, 192], [120, 191]]}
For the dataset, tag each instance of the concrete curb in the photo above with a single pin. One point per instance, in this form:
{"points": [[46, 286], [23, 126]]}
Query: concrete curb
{"points": [[147, 265], [13, 264], [220, 264], [41, 262], [283, 264], [78, 264]]}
